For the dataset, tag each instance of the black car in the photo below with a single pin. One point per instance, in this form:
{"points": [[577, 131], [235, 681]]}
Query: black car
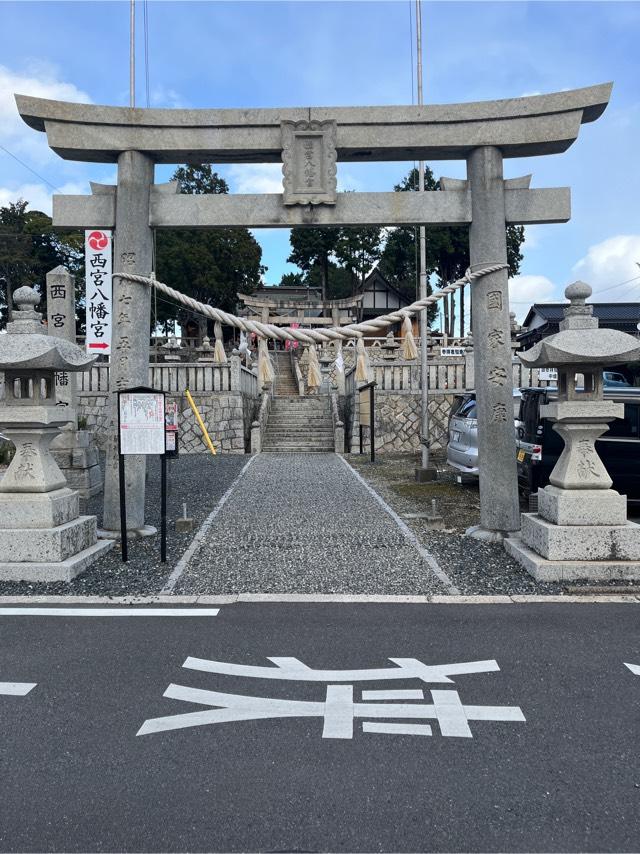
{"points": [[539, 446]]}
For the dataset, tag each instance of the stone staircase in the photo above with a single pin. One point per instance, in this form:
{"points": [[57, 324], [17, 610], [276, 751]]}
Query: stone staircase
{"points": [[296, 424], [299, 425], [285, 384]]}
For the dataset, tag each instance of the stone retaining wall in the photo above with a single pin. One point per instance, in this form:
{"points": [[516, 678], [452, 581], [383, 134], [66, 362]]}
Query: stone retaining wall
{"points": [[227, 417], [398, 421]]}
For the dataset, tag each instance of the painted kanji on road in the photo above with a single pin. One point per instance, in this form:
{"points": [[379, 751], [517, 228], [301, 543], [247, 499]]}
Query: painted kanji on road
{"points": [[382, 711]]}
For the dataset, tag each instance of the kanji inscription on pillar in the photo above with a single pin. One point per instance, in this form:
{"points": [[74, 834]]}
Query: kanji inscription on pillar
{"points": [[309, 163]]}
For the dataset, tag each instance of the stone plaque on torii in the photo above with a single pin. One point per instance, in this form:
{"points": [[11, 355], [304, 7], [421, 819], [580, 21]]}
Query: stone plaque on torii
{"points": [[310, 141]]}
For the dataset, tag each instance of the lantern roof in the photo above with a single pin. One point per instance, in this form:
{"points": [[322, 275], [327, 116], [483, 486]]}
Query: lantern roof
{"points": [[580, 341], [25, 347]]}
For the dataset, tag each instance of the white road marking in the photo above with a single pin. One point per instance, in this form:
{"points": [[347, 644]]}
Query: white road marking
{"points": [[109, 612], [634, 668], [338, 711], [396, 729], [208, 522], [293, 669], [428, 558], [393, 695], [17, 689]]}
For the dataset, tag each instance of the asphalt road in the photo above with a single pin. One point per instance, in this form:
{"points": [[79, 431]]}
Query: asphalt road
{"points": [[92, 758]]}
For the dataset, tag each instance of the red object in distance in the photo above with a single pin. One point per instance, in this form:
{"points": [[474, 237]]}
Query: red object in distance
{"points": [[98, 240]]}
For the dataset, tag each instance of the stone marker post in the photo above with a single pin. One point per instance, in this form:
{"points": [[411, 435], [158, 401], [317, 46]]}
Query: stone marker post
{"points": [[73, 449], [492, 343], [130, 342], [61, 322]]}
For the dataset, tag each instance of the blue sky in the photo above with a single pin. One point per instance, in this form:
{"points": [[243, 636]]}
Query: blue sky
{"points": [[234, 54]]}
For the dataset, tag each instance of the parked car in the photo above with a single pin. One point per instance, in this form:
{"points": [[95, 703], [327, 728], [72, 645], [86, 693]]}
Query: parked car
{"points": [[462, 448], [539, 446], [613, 379]]}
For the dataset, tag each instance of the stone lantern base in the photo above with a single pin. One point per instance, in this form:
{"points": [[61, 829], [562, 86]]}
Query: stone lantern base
{"points": [[578, 535], [45, 538]]}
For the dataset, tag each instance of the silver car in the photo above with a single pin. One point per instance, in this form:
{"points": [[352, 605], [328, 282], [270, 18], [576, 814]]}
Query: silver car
{"points": [[462, 449]]}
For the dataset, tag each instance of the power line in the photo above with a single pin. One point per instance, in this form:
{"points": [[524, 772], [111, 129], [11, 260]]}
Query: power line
{"points": [[37, 174], [145, 9], [595, 293]]}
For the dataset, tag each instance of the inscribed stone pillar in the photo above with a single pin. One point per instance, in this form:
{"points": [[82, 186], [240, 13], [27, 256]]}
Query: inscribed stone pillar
{"points": [[61, 322], [499, 510], [131, 330]]}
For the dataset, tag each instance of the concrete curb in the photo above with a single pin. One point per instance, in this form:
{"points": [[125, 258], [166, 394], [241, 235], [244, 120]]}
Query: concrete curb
{"points": [[320, 598]]}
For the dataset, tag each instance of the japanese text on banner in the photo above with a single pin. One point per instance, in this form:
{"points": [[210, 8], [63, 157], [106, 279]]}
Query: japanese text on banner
{"points": [[99, 298]]}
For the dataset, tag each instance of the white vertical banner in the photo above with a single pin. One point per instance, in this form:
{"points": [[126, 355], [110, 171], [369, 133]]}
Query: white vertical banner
{"points": [[99, 293]]}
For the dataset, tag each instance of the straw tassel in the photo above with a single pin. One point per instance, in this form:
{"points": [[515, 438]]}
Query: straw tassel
{"points": [[314, 377], [219, 355], [409, 349], [266, 373], [362, 362]]}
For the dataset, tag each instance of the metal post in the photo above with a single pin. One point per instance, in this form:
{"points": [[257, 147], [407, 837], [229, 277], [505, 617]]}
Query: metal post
{"points": [[132, 54], [163, 508], [372, 423], [425, 472], [123, 509]]}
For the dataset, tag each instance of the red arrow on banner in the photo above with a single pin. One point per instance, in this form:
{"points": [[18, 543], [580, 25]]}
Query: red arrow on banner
{"points": [[98, 346]]}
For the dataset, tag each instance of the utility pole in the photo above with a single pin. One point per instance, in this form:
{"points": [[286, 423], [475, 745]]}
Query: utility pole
{"points": [[132, 54], [426, 471]]}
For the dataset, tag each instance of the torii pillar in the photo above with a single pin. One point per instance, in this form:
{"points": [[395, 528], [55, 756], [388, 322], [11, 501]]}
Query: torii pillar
{"points": [[130, 344], [499, 506]]}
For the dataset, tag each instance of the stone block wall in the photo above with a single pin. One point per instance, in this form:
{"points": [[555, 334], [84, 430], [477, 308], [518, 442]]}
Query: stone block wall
{"points": [[227, 417], [398, 421]]}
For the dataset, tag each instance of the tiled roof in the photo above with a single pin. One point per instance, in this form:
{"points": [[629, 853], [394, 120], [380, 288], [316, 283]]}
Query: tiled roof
{"points": [[607, 312]]}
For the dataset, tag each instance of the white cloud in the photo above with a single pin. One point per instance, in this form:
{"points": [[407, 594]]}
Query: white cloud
{"points": [[38, 195], [256, 178], [533, 235], [525, 290], [162, 96], [610, 263], [41, 82]]}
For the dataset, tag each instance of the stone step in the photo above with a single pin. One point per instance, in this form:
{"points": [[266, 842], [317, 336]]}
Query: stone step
{"points": [[298, 450], [297, 446]]}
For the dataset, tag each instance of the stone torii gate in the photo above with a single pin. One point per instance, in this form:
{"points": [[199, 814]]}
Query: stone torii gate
{"points": [[309, 142]]}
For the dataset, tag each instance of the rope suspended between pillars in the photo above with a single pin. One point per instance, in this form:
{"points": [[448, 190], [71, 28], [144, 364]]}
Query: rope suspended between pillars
{"points": [[313, 336]]}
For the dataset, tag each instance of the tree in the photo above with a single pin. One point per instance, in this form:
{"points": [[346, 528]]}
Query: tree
{"points": [[210, 266], [447, 254], [312, 248], [29, 249], [358, 249], [292, 280]]}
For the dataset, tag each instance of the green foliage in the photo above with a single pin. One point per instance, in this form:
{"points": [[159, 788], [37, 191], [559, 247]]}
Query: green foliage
{"points": [[357, 250], [335, 259], [292, 280], [30, 248], [210, 266], [447, 249]]}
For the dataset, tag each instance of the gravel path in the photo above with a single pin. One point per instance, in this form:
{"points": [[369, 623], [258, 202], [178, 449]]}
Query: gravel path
{"points": [[475, 567], [304, 523], [198, 479]]}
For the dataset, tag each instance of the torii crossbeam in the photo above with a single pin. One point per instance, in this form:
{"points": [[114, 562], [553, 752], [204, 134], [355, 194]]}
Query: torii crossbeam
{"points": [[309, 141]]}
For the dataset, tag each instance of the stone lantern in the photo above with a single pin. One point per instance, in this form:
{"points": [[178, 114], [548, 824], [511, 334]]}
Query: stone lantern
{"points": [[581, 528], [42, 537]]}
